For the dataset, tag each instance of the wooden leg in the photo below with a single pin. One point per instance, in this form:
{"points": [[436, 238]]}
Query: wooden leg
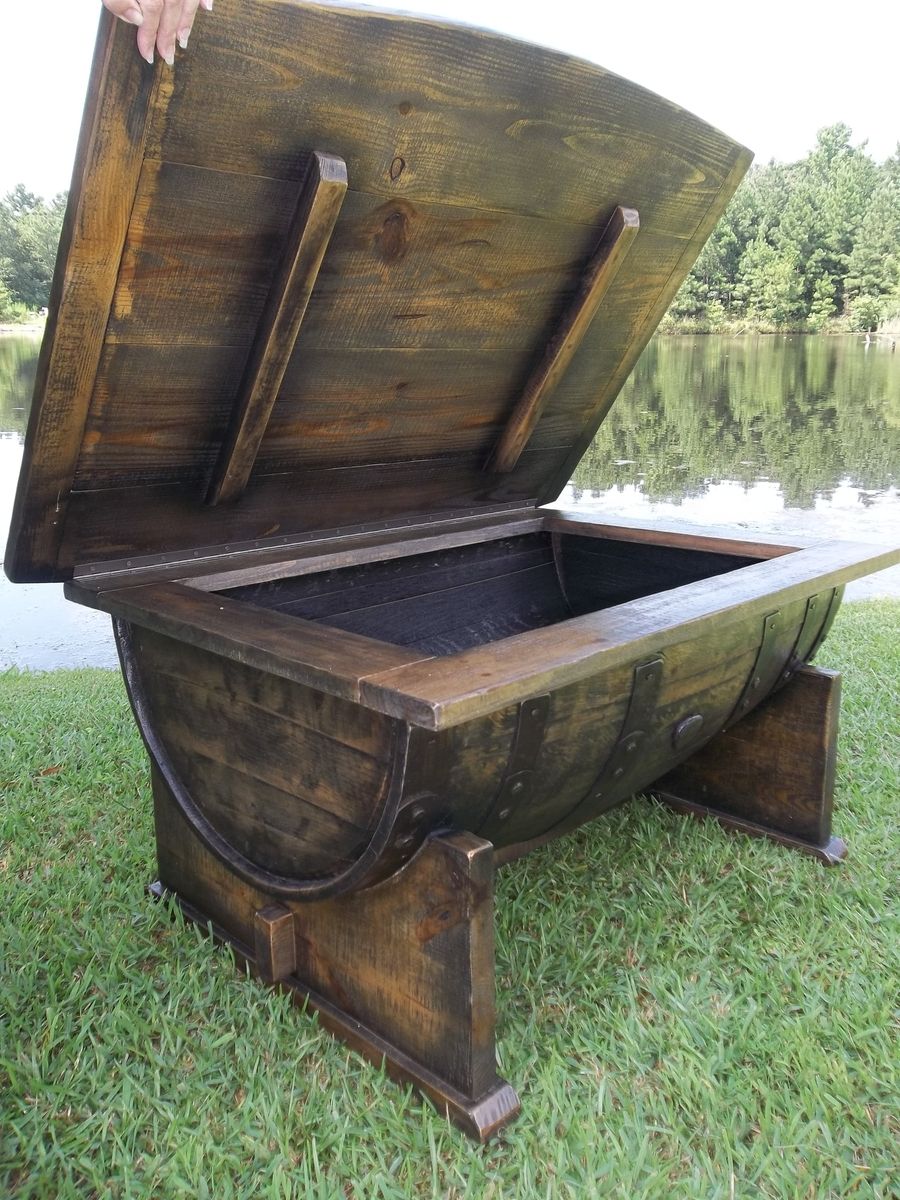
{"points": [[771, 774], [403, 971]]}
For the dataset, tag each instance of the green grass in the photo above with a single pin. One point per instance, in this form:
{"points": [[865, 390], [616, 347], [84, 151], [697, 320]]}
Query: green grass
{"points": [[684, 1013]]}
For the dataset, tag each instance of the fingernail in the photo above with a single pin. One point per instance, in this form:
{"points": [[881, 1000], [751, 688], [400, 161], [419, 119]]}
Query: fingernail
{"points": [[169, 59], [134, 16], [149, 57], [183, 39], [207, 4]]}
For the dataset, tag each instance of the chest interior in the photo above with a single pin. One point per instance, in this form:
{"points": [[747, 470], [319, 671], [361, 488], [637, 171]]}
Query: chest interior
{"points": [[461, 597]]}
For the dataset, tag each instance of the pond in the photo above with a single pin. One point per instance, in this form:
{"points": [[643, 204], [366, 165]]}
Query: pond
{"points": [[793, 435]]}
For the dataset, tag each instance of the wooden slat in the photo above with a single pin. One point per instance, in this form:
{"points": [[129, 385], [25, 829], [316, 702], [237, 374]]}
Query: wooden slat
{"points": [[317, 211], [160, 410], [287, 646], [119, 523], [459, 238], [342, 721], [612, 385], [436, 112], [772, 774], [104, 183], [576, 321], [669, 533], [444, 691], [268, 562]]}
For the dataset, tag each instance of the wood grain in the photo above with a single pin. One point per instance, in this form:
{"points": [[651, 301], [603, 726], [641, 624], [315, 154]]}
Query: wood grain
{"points": [[439, 112], [308, 237], [482, 169], [171, 518], [404, 972], [442, 691], [104, 181], [286, 646], [596, 281], [772, 774]]}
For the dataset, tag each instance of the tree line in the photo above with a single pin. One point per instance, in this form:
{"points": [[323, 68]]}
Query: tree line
{"points": [[808, 245], [29, 234]]}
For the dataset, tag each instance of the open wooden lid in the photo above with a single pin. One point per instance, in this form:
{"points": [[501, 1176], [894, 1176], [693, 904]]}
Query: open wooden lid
{"points": [[342, 267]]}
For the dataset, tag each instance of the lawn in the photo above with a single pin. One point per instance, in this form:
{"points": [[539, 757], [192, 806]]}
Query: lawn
{"points": [[684, 1013]]}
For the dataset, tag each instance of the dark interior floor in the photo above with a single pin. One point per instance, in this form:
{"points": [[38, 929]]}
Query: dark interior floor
{"points": [[467, 596]]}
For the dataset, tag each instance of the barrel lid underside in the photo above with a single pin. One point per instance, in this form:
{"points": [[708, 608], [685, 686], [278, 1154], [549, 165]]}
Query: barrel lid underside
{"points": [[481, 173]]}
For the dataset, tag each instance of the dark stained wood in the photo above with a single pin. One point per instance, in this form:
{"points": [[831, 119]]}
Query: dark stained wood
{"points": [[317, 211], [404, 971], [128, 522], [615, 379], [598, 277], [367, 653], [443, 691], [441, 112], [439, 602], [104, 181], [274, 945], [459, 249], [772, 774], [598, 573], [286, 646], [669, 533]]}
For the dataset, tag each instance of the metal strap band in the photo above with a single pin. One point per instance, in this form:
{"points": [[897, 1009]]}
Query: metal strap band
{"points": [[616, 778]]}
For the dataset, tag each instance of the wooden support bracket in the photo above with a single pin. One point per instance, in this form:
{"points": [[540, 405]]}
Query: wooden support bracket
{"points": [[317, 212], [603, 268], [771, 774], [402, 971]]}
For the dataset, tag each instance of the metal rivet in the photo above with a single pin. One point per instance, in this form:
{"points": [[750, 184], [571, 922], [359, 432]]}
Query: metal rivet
{"points": [[756, 682], [631, 747], [503, 814], [517, 788], [403, 842], [618, 772], [417, 812]]}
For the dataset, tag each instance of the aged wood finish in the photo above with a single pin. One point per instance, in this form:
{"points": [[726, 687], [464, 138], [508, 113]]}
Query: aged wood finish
{"points": [[772, 775], [404, 971], [310, 232], [480, 171], [310, 284], [576, 321], [105, 178]]}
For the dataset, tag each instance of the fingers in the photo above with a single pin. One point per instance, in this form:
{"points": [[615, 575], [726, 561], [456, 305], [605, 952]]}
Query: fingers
{"points": [[160, 23], [186, 22], [125, 10]]}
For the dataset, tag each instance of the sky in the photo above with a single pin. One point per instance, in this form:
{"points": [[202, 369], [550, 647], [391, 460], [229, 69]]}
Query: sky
{"points": [[768, 74]]}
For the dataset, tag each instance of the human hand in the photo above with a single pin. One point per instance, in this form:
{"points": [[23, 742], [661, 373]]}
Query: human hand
{"points": [[159, 23]]}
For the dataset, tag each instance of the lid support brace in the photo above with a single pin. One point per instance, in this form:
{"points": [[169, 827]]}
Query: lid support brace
{"points": [[602, 269], [317, 212]]}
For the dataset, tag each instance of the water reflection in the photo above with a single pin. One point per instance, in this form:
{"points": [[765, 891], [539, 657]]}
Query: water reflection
{"points": [[811, 414], [18, 364], [39, 629], [798, 435]]}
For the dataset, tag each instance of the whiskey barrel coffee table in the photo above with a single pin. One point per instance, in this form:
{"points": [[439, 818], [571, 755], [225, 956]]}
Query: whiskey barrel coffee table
{"points": [[339, 305]]}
